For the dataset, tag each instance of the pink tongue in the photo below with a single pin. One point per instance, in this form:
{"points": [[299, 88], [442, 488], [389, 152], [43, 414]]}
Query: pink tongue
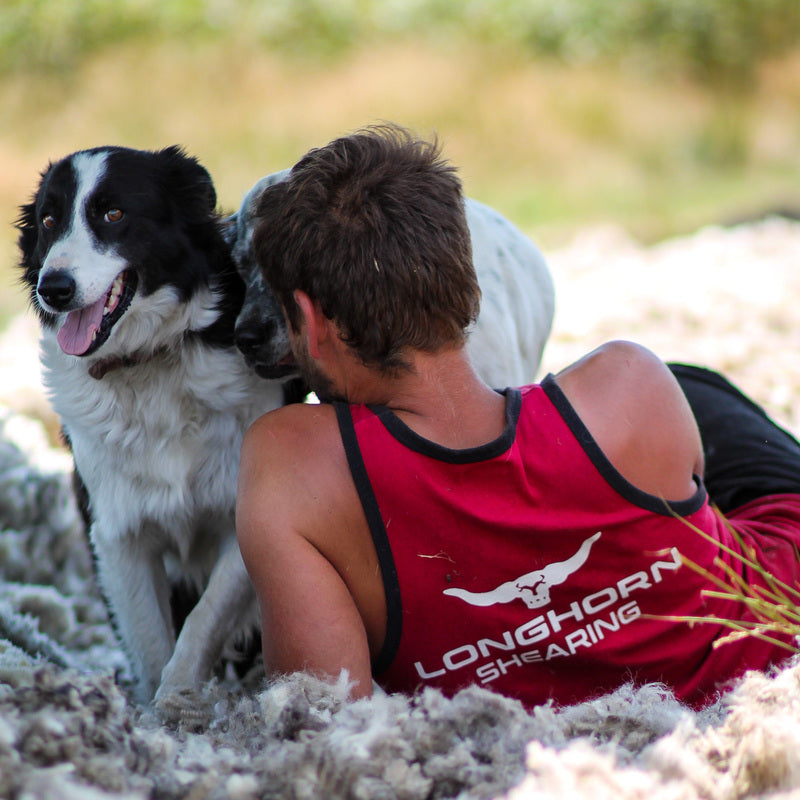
{"points": [[75, 336]]}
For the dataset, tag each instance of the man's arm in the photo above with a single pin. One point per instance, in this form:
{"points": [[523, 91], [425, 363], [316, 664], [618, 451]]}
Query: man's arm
{"points": [[638, 415], [310, 620]]}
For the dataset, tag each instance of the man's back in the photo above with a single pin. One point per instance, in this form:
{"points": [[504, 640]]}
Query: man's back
{"points": [[521, 564], [315, 541]]}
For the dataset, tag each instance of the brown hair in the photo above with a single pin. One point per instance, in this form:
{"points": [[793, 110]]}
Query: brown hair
{"points": [[373, 227]]}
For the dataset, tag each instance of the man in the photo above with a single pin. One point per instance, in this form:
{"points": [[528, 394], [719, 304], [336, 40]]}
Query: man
{"points": [[428, 530]]}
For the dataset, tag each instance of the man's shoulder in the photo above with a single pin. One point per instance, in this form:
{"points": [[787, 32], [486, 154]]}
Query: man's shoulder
{"points": [[294, 479], [299, 434], [636, 412], [296, 420], [292, 452], [619, 375]]}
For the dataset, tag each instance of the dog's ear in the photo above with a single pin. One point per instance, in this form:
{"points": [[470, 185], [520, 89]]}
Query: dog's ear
{"points": [[190, 184], [26, 224]]}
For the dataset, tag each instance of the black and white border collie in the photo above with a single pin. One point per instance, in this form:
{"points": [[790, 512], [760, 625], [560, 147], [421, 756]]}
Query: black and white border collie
{"points": [[124, 257]]}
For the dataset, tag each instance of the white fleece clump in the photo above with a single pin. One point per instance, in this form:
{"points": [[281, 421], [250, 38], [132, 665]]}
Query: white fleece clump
{"points": [[69, 730]]}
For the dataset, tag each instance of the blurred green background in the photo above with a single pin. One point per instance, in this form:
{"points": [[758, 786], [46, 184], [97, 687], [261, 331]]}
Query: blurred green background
{"points": [[658, 115]]}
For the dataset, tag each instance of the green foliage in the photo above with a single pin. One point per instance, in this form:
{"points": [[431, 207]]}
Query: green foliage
{"points": [[715, 41], [37, 34]]}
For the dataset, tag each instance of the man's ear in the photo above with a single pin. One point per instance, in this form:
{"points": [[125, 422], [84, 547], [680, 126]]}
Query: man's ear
{"points": [[316, 327]]}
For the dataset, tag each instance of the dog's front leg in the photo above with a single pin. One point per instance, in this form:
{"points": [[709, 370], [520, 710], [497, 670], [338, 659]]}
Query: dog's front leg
{"points": [[219, 611], [135, 583]]}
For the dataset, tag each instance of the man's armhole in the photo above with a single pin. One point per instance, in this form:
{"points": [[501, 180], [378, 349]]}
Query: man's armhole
{"points": [[391, 586], [620, 484]]}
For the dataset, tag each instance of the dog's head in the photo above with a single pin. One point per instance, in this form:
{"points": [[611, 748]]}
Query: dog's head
{"points": [[261, 333], [123, 250]]}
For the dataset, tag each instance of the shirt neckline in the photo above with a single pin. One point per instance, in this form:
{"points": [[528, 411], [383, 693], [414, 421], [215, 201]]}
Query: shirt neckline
{"points": [[413, 441]]}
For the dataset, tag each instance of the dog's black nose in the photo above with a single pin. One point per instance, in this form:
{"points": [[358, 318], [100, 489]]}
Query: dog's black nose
{"points": [[249, 338], [57, 289]]}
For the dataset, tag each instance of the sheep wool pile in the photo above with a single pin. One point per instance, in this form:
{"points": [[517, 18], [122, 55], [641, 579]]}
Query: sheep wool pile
{"points": [[69, 729]]}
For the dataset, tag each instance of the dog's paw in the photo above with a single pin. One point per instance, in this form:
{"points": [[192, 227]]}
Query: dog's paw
{"points": [[182, 708], [175, 683], [185, 672]]}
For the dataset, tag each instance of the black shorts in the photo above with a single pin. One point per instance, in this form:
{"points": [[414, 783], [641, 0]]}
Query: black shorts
{"points": [[747, 455]]}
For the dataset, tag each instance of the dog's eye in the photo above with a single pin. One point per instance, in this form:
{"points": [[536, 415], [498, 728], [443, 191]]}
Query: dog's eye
{"points": [[48, 221], [113, 215]]}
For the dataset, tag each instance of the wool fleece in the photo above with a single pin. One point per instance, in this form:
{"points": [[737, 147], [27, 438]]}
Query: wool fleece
{"points": [[69, 728], [726, 297]]}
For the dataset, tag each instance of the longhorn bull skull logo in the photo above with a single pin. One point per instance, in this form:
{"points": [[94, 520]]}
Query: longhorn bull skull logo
{"points": [[533, 588]]}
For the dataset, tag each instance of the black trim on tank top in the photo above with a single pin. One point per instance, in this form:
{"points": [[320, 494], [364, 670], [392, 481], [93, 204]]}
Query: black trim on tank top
{"points": [[470, 455], [391, 585], [621, 485]]}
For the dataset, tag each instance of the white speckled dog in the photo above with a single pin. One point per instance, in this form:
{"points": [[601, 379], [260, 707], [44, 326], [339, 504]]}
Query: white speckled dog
{"points": [[507, 340]]}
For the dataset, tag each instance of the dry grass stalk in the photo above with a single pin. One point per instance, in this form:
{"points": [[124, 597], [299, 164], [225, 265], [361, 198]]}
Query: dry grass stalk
{"points": [[774, 605]]}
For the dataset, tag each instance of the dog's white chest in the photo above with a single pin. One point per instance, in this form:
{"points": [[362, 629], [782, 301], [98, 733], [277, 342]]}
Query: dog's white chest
{"points": [[159, 440]]}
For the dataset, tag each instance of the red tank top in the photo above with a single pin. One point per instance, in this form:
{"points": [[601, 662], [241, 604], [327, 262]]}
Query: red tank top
{"points": [[530, 566]]}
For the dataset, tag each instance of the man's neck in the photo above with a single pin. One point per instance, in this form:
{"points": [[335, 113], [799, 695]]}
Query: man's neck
{"points": [[441, 398]]}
